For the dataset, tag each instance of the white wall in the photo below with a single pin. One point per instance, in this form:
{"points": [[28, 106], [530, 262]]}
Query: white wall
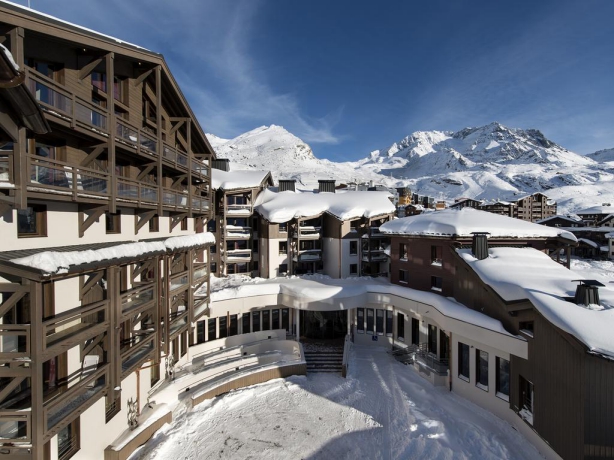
{"points": [[270, 247], [331, 250], [347, 259]]}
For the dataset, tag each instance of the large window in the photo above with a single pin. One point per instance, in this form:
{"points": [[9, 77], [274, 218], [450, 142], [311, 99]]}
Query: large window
{"points": [[283, 227], [245, 327], [68, 440], [370, 320], [436, 283], [379, 322], [415, 331], [436, 255], [200, 332], [233, 326], [432, 344], [32, 221], [353, 248], [389, 323], [360, 320], [266, 320], [463, 361], [283, 247], [503, 378], [113, 222], [481, 369], [401, 327], [256, 321], [403, 277], [275, 319], [212, 329], [223, 327]]}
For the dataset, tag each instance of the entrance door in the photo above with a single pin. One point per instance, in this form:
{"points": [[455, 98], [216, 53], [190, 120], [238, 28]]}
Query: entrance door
{"points": [[323, 324], [444, 346]]}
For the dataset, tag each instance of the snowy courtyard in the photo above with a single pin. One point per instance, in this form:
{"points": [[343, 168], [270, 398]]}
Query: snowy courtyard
{"points": [[383, 410]]}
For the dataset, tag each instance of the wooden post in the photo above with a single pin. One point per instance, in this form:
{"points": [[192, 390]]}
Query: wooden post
{"points": [[159, 132], [37, 336], [110, 58], [114, 312], [20, 172], [190, 159]]}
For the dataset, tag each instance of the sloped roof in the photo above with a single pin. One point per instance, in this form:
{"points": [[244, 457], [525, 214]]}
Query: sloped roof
{"points": [[236, 180]]}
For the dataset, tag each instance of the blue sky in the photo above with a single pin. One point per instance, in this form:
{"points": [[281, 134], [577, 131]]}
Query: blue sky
{"points": [[351, 76]]}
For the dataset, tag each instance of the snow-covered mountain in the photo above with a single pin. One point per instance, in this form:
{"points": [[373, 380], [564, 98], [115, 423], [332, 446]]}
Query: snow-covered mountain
{"points": [[488, 162]]}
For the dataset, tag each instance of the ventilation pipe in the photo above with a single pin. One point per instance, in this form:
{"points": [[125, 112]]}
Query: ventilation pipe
{"points": [[223, 164], [479, 246], [286, 185], [326, 186]]}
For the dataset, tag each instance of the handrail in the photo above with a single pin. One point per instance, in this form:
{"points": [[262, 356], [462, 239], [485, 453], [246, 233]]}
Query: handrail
{"points": [[16, 416], [141, 191], [70, 314], [60, 398], [16, 330]]}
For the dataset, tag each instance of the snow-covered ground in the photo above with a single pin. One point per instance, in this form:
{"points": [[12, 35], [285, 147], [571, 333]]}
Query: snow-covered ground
{"points": [[600, 270], [383, 410]]}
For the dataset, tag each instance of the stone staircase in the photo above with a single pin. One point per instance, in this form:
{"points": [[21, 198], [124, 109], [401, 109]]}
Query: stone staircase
{"points": [[329, 360]]}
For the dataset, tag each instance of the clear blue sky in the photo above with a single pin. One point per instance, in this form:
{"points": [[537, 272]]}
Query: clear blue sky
{"points": [[351, 76]]}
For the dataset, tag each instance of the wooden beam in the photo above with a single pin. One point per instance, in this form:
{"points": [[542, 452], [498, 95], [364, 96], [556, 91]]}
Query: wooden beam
{"points": [[84, 223], [90, 283], [110, 68], [10, 387], [10, 302], [142, 218], [89, 68], [146, 171], [90, 346], [176, 219], [159, 145], [176, 127], [178, 180], [98, 149], [141, 78], [141, 268], [4, 207]]}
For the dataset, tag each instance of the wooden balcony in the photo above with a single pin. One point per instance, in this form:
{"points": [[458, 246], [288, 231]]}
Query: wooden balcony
{"points": [[137, 351], [14, 341], [138, 300], [60, 103]]}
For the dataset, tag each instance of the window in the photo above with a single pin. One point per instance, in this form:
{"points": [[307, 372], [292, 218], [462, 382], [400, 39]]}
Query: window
{"points": [[403, 251], [389, 323], [526, 327], [415, 331], [379, 322], [275, 319], [283, 269], [353, 269], [436, 283], [32, 221], [436, 252], [184, 223], [266, 320], [481, 369], [526, 399], [212, 249], [113, 222], [432, 339], [233, 326], [283, 227], [245, 327], [68, 440], [200, 332], [211, 225], [211, 326], [401, 327], [285, 319], [112, 406], [403, 277], [353, 248], [360, 320], [463, 361], [223, 327], [370, 320], [154, 224], [354, 225], [283, 247], [255, 224], [503, 378], [255, 265], [256, 321], [213, 267], [255, 247]]}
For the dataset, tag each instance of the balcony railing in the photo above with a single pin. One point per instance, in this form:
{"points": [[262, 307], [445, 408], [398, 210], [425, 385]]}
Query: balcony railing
{"points": [[174, 199], [175, 157], [239, 209], [238, 255], [200, 272], [15, 426], [179, 282], [136, 351], [135, 191], [14, 341], [308, 255], [81, 394], [66, 329], [5, 169], [234, 231], [54, 174], [307, 232], [138, 299]]}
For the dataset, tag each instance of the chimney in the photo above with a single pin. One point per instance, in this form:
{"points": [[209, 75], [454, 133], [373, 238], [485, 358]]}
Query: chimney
{"points": [[326, 186], [223, 164], [587, 292], [287, 185], [479, 246]]}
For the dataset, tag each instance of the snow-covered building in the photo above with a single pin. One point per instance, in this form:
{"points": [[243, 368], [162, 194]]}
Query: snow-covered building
{"points": [[104, 196], [234, 224], [330, 233], [598, 216], [497, 266]]}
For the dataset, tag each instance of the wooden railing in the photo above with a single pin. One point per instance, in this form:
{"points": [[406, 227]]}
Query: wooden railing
{"points": [[136, 191], [14, 341], [138, 299], [15, 425], [66, 329]]}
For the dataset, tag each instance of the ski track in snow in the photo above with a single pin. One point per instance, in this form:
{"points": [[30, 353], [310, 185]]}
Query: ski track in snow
{"points": [[383, 410]]}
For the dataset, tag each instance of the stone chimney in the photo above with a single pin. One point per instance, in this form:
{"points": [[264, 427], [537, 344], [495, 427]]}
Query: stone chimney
{"points": [[326, 186], [287, 185], [587, 292], [223, 164], [479, 245]]}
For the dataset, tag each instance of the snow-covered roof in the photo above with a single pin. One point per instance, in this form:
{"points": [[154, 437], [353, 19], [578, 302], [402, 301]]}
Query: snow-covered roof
{"points": [[234, 180], [69, 24], [463, 222], [588, 242], [279, 207], [567, 218], [526, 273], [56, 262], [596, 210], [9, 57], [609, 235]]}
